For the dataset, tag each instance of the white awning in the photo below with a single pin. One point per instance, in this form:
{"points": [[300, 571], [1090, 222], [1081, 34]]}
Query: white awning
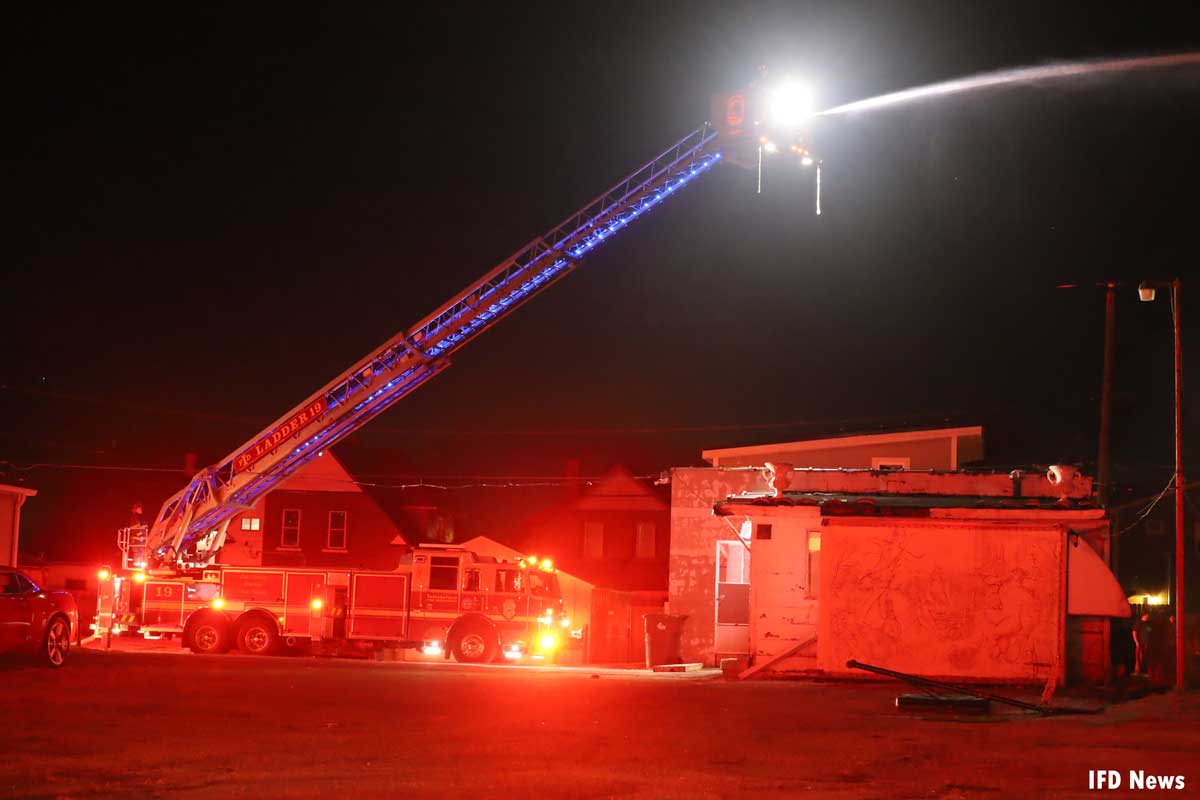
{"points": [[1092, 589]]}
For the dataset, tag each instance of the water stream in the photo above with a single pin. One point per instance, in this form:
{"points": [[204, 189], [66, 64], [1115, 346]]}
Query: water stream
{"points": [[1008, 77]]}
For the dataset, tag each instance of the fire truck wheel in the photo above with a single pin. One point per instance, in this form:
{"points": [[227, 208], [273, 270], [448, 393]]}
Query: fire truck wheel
{"points": [[257, 636], [473, 643], [208, 636]]}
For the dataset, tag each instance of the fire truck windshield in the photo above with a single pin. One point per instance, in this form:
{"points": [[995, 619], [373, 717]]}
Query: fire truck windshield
{"points": [[543, 584]]}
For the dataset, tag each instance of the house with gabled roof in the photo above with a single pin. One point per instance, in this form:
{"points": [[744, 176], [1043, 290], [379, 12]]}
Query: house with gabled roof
{"points": [[319, 517]]}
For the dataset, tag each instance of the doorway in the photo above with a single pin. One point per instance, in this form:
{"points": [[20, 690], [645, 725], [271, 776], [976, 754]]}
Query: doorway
{"points": [[733, 600]]}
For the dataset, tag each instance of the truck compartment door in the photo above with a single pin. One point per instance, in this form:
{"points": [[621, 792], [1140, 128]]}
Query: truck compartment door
{"points": [[302, 589], [379, 607], [162, 605]]}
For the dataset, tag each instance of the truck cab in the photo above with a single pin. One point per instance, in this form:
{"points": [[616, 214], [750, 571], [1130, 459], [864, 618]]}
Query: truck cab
{"points": [[478, 608]]}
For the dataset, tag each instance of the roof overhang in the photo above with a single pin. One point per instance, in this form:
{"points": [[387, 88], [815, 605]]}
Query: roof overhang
{"points": [[871, 439]]}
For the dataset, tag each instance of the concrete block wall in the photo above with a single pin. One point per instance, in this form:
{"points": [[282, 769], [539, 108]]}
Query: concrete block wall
{"points": [[694, 536]]}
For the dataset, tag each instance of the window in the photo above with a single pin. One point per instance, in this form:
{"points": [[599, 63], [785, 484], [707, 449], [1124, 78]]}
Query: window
{"points": [[443, 572], [472, 582], [762, 532], [336, 540], [251, 523], [890, 463], [16, 583], [543, 584], [289, 534], [201, 592], [507, 581], [814, 563], [733, 584], [644, 544], [733, 562], [593, 539]]}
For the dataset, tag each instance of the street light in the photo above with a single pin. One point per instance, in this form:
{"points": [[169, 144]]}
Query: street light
{"points": [[1146, 293]]}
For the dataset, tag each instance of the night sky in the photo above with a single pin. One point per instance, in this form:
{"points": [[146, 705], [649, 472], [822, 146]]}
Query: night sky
{"points": [[212, 212]]}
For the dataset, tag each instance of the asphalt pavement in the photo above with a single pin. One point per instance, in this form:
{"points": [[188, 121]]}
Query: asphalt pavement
{"points": [[172, 724]]}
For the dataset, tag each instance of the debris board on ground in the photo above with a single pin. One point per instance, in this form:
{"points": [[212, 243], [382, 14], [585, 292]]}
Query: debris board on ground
{"points": [[949, 702]]}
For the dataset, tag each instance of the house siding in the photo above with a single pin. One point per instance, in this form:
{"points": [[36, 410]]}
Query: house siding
{"points": [[369, 532]]}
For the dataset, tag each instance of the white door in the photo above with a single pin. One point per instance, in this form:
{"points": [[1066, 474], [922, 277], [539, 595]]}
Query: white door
{"points": [[733, 599]]}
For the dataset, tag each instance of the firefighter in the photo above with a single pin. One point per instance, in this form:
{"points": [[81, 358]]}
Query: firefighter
{"points": [[135, 515], [1141, 641]]}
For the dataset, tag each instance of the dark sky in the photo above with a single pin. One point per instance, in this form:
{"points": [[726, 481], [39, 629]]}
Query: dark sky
{"points": [[214, 211]]}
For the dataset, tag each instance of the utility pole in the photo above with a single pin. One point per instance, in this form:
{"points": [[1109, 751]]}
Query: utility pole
{"points": [[1104, 451], [1180, 640], [1104, 457], [1104, 454], [1146, 294]]}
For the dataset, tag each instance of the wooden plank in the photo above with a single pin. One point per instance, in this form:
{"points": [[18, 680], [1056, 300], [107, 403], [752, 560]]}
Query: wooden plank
{"points": [[757, 668]]}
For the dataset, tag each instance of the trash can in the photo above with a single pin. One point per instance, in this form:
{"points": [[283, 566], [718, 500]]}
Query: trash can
{"points": [[662, 638]]}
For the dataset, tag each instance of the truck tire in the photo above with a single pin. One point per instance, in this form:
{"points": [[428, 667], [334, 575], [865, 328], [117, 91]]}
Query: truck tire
{"points": [[257, 636], [473, 643], [208, 635]]}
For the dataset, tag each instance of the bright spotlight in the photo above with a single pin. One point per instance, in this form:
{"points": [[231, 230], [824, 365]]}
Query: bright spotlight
{"points": [[790, 104], [769, 147], [806, 161]]}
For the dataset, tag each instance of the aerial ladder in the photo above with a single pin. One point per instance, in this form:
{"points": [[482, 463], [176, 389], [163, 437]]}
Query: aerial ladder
{"points": [[189, 530]]}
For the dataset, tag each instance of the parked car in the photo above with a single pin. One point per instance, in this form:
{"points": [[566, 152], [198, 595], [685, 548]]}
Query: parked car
{"points": [[34, 621]]}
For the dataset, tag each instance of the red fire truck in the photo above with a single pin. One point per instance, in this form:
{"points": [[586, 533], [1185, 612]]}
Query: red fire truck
{"points": [[442, 600]]}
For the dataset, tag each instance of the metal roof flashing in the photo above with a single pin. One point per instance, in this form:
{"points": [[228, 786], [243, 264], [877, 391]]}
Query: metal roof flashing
{"points": [[900, 505]]}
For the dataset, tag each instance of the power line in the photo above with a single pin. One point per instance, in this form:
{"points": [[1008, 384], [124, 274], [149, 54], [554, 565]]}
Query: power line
{"points": [[443, 481], [1146, 511]]}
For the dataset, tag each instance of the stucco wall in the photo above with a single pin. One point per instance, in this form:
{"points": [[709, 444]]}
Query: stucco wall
{"points": [[945, 598], [694, 536], [783, 591]]}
